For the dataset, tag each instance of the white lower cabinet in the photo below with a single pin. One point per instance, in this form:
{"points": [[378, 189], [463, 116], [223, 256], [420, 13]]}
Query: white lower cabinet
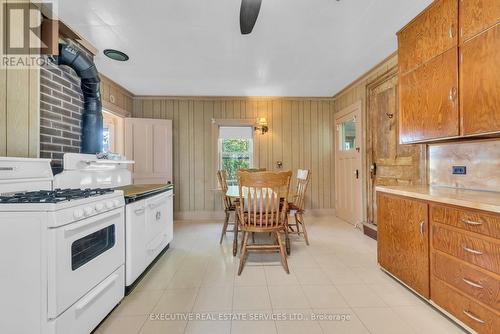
{"points": [[148, 230]]}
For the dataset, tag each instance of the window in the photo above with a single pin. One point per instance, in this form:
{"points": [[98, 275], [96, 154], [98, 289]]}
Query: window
{"points": [[112, 133], [347, 135], [235, 150]]}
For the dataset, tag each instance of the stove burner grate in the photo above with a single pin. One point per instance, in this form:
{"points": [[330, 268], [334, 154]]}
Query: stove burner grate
{"points": [[53, 196]]}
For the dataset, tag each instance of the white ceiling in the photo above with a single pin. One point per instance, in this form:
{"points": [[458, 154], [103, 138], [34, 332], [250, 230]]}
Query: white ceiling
{"points": [[194, 47]]}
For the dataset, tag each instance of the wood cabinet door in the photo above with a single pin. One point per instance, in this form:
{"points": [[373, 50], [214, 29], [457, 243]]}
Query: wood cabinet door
{"points": [[149, 143], [431, 33], [480, 84], [402, 236], [428, 100], [476, 16]]}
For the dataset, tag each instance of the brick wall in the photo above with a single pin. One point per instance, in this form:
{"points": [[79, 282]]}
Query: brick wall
{"points": [[61, 105]]}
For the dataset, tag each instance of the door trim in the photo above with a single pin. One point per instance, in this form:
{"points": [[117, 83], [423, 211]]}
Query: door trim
{"points": [[388, 75]]}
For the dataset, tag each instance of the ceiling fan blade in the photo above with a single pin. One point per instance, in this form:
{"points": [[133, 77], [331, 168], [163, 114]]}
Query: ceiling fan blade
{"points": [[249, 12]]}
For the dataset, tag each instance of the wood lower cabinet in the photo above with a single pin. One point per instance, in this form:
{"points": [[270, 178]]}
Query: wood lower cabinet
{"points": [[476, 16], [456, 264], [428, 100], [402, 236], [430, 34], [480, 84]]}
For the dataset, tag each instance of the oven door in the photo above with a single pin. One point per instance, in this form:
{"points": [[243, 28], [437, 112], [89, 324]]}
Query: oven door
{"points": [[81, 255]]}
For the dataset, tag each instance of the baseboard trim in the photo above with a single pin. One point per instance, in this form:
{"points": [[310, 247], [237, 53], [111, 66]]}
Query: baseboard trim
{"points": [[218, 215]]}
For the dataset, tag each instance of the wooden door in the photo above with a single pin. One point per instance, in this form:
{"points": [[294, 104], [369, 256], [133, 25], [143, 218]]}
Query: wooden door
{"points": [[403, 240], [388, 162], [149, 143], [428, 100], [348, 173], [430, 34], [480, 84], [476, 16]]}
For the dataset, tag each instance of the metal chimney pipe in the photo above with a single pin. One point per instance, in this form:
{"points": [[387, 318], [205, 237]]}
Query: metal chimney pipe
{"points": [[74, 57]]}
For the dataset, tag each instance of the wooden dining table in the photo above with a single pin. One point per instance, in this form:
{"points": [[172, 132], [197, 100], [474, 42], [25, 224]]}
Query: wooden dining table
{"points": [[233, 192]]}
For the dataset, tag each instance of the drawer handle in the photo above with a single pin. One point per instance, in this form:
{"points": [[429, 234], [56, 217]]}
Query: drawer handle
{"points": [[472, 251], [479, 286], [470, 222], [139, 211], [473, 317]]}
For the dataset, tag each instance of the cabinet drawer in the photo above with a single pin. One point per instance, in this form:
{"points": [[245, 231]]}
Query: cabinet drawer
{"points": [[474, 221], [481, 251], [472, 282], [431, 33], [474, 315]]}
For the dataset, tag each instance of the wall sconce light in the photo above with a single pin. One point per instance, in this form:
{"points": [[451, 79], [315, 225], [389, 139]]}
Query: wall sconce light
{"points": [[261, 125]]}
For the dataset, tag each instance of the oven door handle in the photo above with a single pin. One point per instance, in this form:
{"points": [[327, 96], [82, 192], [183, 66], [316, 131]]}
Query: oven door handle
{"points": [[96, 293], [85, 224]]}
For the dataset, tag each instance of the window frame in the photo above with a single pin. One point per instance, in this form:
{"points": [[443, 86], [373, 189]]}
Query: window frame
{"points": [[216, 124]]}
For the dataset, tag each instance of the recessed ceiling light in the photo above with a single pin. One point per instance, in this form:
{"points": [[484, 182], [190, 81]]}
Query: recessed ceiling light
{"points": [[116, 55]]}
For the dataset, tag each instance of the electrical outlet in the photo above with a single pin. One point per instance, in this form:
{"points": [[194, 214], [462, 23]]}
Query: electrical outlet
{"points": [[460, 170]]}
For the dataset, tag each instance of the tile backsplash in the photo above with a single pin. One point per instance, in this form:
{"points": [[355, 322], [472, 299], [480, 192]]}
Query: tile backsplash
{"points": [[482, 159]]}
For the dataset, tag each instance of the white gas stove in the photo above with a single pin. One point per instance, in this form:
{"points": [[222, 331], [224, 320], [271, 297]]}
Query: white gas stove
{"points": [[148, 211], [62, 251]]}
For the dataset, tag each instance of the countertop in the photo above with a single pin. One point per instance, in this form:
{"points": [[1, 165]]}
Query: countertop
{"points": [[140, 189], [481, 200]]}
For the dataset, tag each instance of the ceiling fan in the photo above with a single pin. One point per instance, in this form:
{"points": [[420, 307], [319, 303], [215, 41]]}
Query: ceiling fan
{"points": [[249, 12]]}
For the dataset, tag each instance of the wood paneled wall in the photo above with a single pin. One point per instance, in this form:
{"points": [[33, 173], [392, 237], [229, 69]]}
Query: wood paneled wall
{"points": [[19, 107], [300, 134], [115, 98]]}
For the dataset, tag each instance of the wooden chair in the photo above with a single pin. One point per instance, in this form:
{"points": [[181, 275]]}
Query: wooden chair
{"points": [[262, 208], [297, 206], [228, 205]]}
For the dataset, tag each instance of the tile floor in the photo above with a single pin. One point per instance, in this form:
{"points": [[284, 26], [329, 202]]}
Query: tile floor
{"points": [[335, 277]]}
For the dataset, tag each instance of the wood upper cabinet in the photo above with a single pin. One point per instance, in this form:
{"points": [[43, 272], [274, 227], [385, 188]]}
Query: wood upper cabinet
{"points": [[476, 16], [402, 236], [428, 100], [479, 83], [430, 34]]}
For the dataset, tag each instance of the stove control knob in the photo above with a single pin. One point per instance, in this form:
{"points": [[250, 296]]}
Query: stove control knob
{"points": [[88, 211], [78, 214], [99, 207], [116, 202], [109, 205]]}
